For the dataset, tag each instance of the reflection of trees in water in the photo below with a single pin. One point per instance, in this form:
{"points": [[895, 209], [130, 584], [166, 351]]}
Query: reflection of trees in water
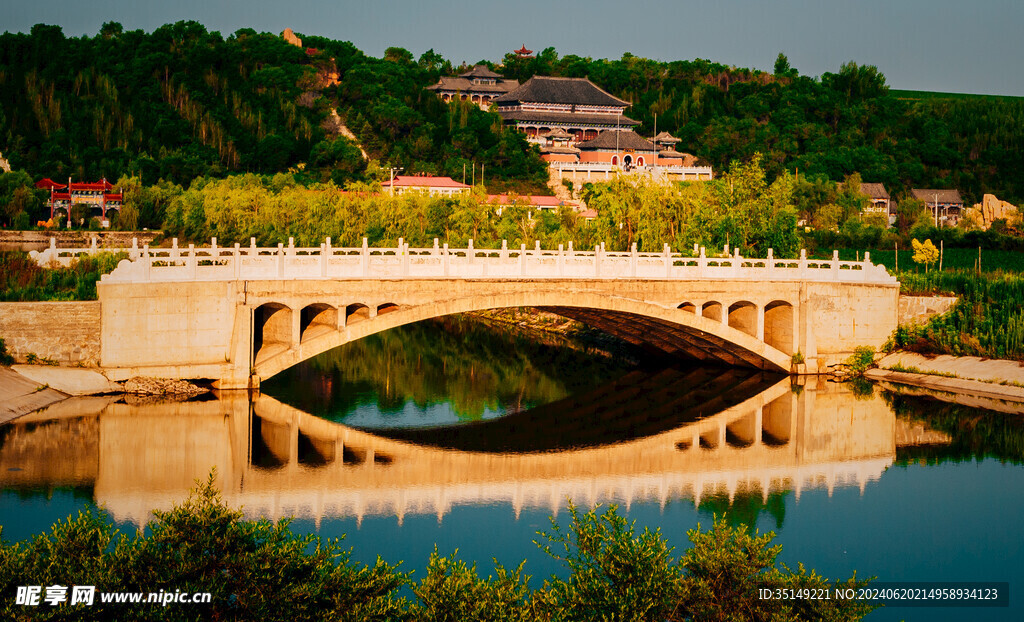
{"points": [[745, 507], [976, 433], [458, 360]]}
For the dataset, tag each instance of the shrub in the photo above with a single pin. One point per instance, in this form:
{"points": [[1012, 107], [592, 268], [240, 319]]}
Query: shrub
{"points": [[862, 359], [5, 356]]}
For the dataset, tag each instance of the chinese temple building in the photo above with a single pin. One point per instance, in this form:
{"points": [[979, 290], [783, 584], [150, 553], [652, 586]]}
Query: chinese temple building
{"points": [[615, 152], [479, 85], [425, 184], [574, 105], [93, 194]]}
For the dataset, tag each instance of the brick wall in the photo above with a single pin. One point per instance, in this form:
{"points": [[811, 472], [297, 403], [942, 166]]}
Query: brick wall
{"points": [[67, 332]]}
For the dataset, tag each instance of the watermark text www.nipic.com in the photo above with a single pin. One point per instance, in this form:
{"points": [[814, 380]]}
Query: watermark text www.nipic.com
{"points": [[54, 595]]}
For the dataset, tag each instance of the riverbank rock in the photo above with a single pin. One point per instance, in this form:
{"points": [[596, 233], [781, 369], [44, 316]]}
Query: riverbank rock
{"points": [[162, 386]]}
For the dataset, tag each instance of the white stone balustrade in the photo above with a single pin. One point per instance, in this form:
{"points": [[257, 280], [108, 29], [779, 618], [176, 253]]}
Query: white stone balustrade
{"points": [[228, 263], [65, 256]]}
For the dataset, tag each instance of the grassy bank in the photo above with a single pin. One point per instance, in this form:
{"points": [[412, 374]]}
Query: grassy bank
{"points": [[23, 280], [988, 320]]}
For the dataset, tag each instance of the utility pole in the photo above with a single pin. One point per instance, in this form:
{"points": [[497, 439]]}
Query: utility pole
{"points": [[655, 144], [393, 170]]}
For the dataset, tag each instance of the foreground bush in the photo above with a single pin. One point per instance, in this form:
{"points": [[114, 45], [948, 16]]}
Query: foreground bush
{"points": [[258, 570]]}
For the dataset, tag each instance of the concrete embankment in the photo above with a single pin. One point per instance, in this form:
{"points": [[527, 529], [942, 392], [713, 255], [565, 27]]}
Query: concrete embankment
{"points": [[968, 380], [20, 395], [28, 388]]}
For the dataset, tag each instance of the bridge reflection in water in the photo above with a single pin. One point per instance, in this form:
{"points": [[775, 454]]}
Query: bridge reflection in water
{"points": [[646, 437]]}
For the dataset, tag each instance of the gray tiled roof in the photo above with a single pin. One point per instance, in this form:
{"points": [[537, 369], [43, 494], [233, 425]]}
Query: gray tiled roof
{"points": [[465, 86], [550, 90], [611, 139], [929, 195], [566, 118], [873, 190], [480, 71]]}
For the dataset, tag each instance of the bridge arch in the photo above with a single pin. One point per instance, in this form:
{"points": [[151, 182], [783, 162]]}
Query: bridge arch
{"points": [[712, 310], [743, 317], [272, 331], [668, 329], [316, 319], [779, 326]]}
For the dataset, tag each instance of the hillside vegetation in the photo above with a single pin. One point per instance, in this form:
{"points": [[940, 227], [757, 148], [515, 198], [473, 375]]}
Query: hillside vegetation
{"points": [[183, 102]]}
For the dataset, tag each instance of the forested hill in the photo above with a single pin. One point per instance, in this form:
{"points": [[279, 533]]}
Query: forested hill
{"points": [[183, 102]]}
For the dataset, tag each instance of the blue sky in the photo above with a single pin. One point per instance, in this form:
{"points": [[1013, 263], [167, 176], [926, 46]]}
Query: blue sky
{"points": [[942, 45]]}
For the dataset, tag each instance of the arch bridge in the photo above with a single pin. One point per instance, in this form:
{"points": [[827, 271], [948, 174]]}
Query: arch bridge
{"points": [[238, 315]]}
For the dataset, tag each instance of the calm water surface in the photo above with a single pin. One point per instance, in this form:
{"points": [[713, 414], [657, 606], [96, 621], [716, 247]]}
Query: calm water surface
{"points": [[465, 437]]}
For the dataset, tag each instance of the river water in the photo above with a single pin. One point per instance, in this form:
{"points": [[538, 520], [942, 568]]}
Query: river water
{"points": [[459, 435]]}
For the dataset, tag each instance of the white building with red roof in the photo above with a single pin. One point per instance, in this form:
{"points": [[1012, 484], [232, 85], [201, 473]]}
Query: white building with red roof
{"points": [[425, 184]]}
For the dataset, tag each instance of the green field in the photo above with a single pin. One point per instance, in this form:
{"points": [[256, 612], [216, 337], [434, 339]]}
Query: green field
{"points": [[912, 95]]}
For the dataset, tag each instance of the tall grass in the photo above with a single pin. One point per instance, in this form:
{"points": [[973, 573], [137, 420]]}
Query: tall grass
{"points": [[24, 280], [987, 321]]}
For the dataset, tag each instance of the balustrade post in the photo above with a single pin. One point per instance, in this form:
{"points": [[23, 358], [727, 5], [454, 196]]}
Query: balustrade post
{"points": [[470, 253], [702, 262], [192, 263], [597, 261], [326, 253], [835, 265], [436, 250], [365, 259], [213, 251], [280, 260], [504, 250], [92, 245], [866, 266], [770, 263], [668, 260], [252, 248], [175, 253], [561, 260], [291, 247], [572, 253], [147, 263], [134, 254], [803, 263], [446, 260], [737, 262], [632, 260], [236, 260]]}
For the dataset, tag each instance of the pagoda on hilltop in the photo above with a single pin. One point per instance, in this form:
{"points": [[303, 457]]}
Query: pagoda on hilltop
{"points": [[575, 105], [523, 52]]}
